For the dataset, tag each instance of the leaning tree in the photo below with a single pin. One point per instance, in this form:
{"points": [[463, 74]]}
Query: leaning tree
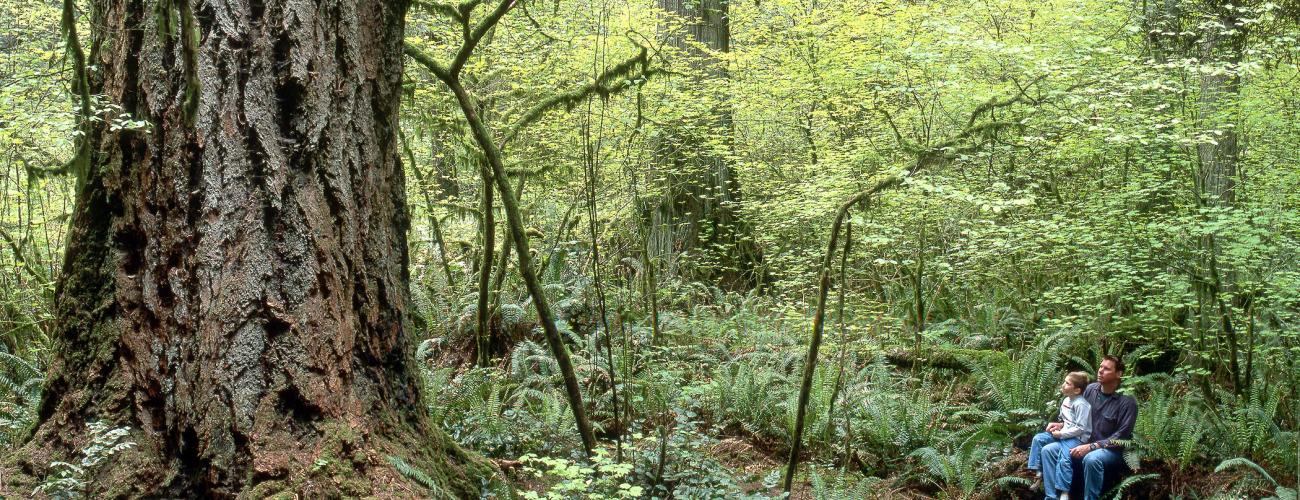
{"points": [[235, 287]]}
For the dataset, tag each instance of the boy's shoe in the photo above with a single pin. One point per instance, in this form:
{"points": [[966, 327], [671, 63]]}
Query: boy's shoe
{"points": [[1063, 496]]}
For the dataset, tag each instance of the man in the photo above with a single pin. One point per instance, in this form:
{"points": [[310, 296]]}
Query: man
{"points": [[1113, 417]]}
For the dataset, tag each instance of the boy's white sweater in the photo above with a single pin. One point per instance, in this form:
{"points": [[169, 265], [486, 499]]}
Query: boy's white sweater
{"points": [[1076, 415]]}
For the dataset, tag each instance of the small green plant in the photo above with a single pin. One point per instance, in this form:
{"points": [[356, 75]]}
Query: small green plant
{"points": [[1117, 492], [1250, 425], [415, 474], [841, 486], [68, 480], [751, 395], [1022, 388], [894, 418], [20, 392], [961, 472], [1170, 427], [602, 479]]}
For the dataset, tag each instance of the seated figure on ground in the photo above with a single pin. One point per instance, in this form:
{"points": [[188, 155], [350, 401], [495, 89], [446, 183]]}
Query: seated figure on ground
{"points": [[1113, 416], [1076, 428]]}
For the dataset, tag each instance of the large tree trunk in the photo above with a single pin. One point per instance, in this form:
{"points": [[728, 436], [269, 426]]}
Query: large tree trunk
{"points": [[698, 215], [235, 285], [1221, 45]]}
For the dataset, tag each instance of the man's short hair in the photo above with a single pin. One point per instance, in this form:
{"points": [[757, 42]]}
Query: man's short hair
{"points": [[1114, 361]]}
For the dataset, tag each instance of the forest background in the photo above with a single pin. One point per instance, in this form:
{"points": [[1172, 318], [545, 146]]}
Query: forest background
{"points": [[1053, 181]]}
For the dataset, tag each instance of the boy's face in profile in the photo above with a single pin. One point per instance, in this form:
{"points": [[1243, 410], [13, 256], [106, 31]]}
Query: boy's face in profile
{"points": [[1068, 389]]}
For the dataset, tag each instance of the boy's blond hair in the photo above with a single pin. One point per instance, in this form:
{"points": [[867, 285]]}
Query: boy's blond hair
{"points": [[1079, 379]]}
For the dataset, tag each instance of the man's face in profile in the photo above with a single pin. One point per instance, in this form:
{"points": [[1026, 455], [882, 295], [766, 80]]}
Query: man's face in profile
{"points": [[1106, 373]]}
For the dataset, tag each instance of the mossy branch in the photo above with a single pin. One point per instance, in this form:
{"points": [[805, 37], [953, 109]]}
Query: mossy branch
{"points": [[17, 246], [450, 76], [79, 166], [475, 35], [622, 76], [959, 143], [993, 104], [438, 8], [814, 344], [427, 61]]}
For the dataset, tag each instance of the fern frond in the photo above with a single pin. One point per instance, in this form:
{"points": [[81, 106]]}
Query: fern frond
{"points": [[1245, 462], [1008, 482], [416, 475], [1118, 491]]}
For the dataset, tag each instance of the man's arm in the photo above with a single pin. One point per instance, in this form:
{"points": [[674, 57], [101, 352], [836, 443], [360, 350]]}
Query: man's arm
{"points": [[1127, 419]]}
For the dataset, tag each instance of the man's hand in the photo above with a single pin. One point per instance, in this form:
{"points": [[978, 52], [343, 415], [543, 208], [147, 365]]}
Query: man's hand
{"points": [[1054, 426], [1080, 451]]}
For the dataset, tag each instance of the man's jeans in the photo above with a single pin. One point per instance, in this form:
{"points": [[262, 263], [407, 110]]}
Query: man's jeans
{"points": [[1058, 469], [1095, 465], [1052, 457]]}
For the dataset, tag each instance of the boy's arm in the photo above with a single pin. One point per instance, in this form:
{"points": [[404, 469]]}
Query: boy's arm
{"points": [[1081, 421], [1056, 425]]}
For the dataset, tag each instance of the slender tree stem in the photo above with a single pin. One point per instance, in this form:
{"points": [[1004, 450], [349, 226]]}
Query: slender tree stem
{"points": [[488, 230], [428, 206], [844, 334], [515, 224]]}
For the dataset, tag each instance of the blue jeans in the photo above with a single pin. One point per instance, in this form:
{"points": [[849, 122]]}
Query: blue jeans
{"points": [[1052, 456], [1095, 465]]}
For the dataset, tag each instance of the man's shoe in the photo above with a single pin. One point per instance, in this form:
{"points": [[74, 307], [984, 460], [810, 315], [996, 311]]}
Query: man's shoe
{"points": [[1064, 496]]}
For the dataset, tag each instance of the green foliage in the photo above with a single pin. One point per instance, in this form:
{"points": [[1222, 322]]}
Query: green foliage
{"points": [[20, 393], [891, 417], [1022, 390], [841, 486], [961, 470], [417, 475], [1077, 221], [1117, 491], [754, 395], [68, 480], [1281, 492], [1247, 425], [1170, 425], [603, 478], [688, 469]]}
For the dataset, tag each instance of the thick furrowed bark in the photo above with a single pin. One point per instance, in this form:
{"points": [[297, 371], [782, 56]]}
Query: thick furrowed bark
{"points": [[236, 282]]}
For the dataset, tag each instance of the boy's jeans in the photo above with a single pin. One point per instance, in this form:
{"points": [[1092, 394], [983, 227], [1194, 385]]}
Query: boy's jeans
{"points": [[1052, 457]]}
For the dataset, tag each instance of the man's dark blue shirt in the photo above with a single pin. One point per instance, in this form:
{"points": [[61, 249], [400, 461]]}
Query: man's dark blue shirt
{"points": [[1113, 415]]}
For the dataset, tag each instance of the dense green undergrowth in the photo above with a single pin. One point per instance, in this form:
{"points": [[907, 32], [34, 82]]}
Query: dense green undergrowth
{"points": [[711, 415], [712, 410]]}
